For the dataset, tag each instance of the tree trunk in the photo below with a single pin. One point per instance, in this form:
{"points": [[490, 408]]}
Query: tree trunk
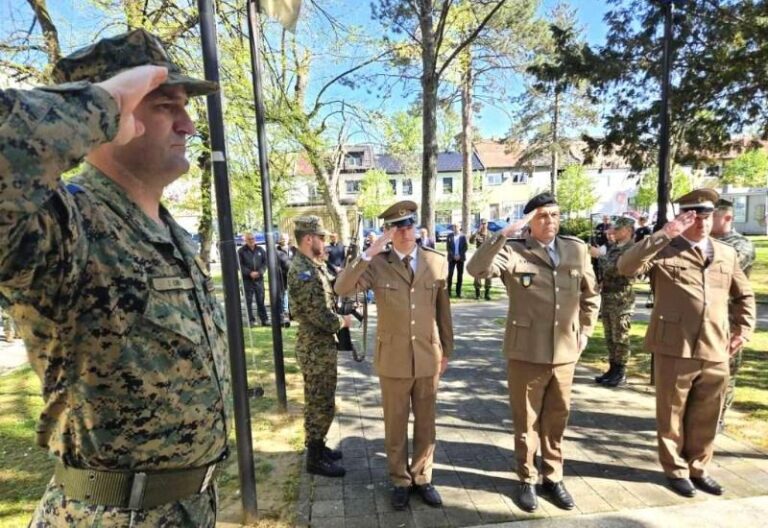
{"points": [[51, 35], [466, 144], [429, 116], [555, 145], [330, 193]]}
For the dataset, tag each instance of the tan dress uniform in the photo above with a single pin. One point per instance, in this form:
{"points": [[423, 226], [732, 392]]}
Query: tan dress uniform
{"points": [[414, 332], [689, 334], [550, 307]]}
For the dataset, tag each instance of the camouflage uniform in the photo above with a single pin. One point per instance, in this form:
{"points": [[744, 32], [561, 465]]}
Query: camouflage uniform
{"points": [[312, 303], [127, 336], [9, 328], [618, 304], [745, 251], [478, 237]]}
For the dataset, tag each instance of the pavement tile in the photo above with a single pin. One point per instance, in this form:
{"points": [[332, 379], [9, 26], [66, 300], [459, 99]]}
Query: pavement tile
{"points": [[364, 506], [328, 522], [327, 508], [432, 518], [369, 520], [396, 520]]}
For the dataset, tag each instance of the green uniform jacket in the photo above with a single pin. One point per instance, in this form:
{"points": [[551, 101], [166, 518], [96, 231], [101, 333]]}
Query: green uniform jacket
{"points": [[118, 316]]}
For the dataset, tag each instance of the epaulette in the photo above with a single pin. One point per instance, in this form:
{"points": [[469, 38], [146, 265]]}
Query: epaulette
{"points": [[74, 188], [433, 250], [571, 237]]}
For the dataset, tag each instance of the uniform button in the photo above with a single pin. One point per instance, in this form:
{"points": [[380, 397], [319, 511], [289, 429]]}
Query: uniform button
{"points": [[557, 307], [557, 289], [387, 285], [555, 323], [413, 322], [413, 337], [661, 317], [554, 273], [514, 322], [413, 290], [413, 306]]}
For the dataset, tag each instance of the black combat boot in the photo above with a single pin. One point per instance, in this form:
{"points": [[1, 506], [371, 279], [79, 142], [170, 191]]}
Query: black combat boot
{"points": [[477, 293], [487, 295], [619, 377], [607, 374], [318, 464], [332, 454]]}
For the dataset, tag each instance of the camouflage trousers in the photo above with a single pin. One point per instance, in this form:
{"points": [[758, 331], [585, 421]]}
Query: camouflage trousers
{"points": [[318, 367], [487, 285], [734, 364], [617, 321], [56, 510]]}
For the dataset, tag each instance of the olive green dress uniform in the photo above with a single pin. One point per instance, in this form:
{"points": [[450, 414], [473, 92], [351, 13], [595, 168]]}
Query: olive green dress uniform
{"points": [[414, 332], [550, 307], [312, 302], [119, 318], [689, 334]]}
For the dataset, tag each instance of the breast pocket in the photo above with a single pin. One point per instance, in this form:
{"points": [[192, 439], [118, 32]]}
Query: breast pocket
{"points": [[520, 328], [525, 275], [668, 331], [386, 291], [719, 277], [170, 308]]}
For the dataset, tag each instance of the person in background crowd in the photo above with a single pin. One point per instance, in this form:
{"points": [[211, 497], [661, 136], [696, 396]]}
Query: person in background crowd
{"points": [[284, 259], [643, 230], [703, 313], [477, 238], [336, 255], [253, 265], [601, 231], [618, 303], [415, 340], [456, 247], [722, 230], [424, 240], [553, 306]]}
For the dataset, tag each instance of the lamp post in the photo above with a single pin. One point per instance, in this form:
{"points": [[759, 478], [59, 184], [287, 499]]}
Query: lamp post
{"points": [[663, 189]]}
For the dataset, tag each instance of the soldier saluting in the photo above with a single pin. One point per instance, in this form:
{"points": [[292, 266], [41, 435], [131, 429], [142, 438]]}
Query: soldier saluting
{"points": [[118, 313], [553, 305], [695, 279], [413, 343]]}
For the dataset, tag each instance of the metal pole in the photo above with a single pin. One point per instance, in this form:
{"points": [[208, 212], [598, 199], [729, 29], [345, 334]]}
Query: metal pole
{"points": [[663, 188], [230, 269], [266, 199]]}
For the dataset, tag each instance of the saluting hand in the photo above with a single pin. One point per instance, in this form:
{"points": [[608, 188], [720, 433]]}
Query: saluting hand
{"points": [[128, 88], [379, 244], [683, 221], [514, 228]]}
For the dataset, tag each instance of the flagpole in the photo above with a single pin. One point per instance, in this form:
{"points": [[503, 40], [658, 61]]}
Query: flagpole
{"points": [[230, 269], [275, 295]]}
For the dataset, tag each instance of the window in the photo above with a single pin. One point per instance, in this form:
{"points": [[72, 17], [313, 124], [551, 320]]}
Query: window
{"points": [[448, 185], [353, 186], [495, 178], [353, 159], [515, 210], [312, 194], [407, 187], [393, 183], [518, 177], [443, 217]]}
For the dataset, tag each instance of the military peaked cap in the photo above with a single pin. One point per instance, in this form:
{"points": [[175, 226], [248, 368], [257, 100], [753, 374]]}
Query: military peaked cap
{"points": [[699, 200], [400, 214]]}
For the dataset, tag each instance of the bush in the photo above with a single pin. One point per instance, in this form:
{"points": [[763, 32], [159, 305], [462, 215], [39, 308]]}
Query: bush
{"points": [[578, 227]]}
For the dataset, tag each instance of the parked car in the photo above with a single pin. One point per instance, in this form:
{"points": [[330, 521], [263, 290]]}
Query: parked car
{"points": [[377, 232], [496, 225], [442, 231]]}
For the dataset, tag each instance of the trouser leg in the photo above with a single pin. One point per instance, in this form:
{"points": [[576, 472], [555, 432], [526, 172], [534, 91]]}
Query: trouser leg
{"points": [[674, 379], [701, 414], [423, 396], [526, 382], [396, 401], [553, 420]]}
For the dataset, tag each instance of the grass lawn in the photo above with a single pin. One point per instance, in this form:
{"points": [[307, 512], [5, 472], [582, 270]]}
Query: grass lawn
{"points": [[278, 441], [759, 275]]}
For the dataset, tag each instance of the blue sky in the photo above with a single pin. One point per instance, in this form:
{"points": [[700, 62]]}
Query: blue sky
{"points": [[77, 23]]}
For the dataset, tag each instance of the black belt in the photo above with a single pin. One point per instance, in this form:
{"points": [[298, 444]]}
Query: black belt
{"points": [[132, 490]]}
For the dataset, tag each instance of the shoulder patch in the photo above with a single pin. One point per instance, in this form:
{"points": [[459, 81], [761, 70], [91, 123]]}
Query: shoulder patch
{"points": [[569, 237], [304, 275], [74, 188]]}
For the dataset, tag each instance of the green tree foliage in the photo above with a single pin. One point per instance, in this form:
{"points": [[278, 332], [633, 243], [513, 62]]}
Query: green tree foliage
{"points": [[719, 49], [375, 193], [749, 169], [647, 190], [556, 104], [575, 191]]}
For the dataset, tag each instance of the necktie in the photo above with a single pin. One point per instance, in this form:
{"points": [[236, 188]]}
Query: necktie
{"points": [[553, 255], [408, 268]]}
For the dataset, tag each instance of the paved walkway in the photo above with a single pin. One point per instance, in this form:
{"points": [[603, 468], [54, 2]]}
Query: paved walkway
{"points": [[611, 463]]}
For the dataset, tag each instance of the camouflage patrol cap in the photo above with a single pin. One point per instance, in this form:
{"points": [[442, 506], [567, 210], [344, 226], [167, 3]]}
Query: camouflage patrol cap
{"points": [[624, 221], [311, 225], [109, 56]]}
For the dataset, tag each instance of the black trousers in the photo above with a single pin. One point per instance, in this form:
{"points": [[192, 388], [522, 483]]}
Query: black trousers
{"points": [[255, 288], [459, 266]]}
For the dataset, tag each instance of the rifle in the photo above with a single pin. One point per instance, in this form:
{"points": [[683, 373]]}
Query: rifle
{"points": [[351, 305]]}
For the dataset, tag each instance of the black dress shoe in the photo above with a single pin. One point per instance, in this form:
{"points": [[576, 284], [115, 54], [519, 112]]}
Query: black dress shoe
{"points": [[429, 494], [526, 497], [683, 486], [558, 494], [400, 496], [708, 484]]}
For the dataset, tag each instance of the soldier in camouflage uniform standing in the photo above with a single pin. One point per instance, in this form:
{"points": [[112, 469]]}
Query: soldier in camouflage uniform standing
{"points": [[618, 303], [477, 238], [118, 313], [722, 229], [312, 305]]}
